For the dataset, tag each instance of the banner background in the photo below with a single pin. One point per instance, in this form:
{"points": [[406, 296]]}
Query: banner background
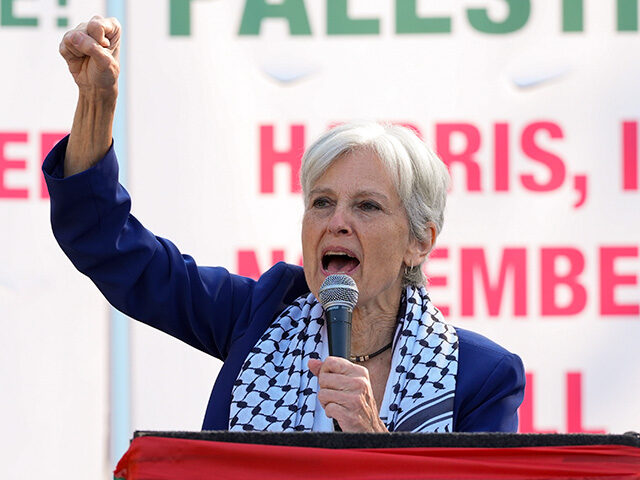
{"points": [[200, 102]]}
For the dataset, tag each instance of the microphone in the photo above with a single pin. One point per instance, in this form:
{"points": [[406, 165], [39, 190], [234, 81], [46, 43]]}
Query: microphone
{"points": [[338, 296]]}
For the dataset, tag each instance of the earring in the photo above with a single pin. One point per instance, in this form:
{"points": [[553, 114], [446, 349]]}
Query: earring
{"points": [[407, 269]]}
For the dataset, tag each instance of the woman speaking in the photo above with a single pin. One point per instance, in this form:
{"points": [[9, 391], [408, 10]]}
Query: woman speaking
{"points": [[374, 198]]}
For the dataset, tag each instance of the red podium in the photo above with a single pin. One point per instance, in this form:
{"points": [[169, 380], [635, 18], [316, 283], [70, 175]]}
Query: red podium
{"points": [[226, 455]]}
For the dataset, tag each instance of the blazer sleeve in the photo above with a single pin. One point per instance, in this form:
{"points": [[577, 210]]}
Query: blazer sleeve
{"points": [[490, 386], [144, 276]]}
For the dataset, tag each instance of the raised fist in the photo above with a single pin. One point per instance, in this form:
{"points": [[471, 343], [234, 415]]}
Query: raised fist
{"points": [[91, 51]]}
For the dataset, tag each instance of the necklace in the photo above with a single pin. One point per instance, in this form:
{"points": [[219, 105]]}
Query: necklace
{"points": [[364, 358]]}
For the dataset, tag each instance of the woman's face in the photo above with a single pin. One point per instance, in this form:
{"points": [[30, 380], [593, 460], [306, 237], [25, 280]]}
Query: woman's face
{"points": [[355, 223]]}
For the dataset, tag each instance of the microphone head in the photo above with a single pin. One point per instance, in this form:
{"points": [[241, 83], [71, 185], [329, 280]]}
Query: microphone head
{"points": [[338, 289]]}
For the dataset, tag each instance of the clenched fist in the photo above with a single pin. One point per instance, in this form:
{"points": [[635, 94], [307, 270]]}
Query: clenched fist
{"points": [[91, 51]]}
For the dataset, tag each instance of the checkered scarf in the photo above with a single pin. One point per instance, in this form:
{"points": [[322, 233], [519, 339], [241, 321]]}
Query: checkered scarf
{"points": [[275, 391]]}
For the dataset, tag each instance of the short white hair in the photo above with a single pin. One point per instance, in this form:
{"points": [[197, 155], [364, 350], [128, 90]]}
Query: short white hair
{"points": [[420, 177]]}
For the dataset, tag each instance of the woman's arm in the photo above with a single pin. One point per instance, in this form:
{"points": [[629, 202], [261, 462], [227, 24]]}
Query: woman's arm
{"points": [[91, 51], [142, 275]]}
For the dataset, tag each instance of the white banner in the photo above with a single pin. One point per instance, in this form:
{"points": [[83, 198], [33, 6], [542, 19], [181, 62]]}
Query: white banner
{"points": [[54, 345], [534, 106], [536, 110]]}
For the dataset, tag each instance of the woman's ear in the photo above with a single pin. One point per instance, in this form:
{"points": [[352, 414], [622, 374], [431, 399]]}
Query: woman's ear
{"points": [[418, 250]]}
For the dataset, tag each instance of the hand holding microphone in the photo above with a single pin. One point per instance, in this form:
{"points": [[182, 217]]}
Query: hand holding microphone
{"points": [[344, 388]]}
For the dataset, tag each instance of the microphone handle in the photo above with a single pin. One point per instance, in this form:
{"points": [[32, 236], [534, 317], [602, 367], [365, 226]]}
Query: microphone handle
{"points": [[339, 333], [336, 426]]}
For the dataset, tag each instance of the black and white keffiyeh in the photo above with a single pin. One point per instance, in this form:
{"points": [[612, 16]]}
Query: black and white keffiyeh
{"points": [[275, 391]]}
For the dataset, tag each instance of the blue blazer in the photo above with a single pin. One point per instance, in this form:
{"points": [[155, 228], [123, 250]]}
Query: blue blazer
{"points": [[224, 315]]}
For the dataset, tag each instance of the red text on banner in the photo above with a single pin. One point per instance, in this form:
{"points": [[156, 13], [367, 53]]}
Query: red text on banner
{"points": [[501, 282], [270, 157], [630, 156], [459, 144], [9, 164], [572, 400]]}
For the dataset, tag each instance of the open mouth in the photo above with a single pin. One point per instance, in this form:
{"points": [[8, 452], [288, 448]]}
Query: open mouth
{"points": [[339, 262]]}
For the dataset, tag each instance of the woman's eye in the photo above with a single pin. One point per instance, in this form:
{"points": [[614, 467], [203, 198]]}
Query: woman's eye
{"points": [[369, 206], [320, 202]]}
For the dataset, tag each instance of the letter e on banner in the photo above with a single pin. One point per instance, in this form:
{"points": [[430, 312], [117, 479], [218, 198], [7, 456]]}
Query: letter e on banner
{"points": [[514, 260], [7, 164]]}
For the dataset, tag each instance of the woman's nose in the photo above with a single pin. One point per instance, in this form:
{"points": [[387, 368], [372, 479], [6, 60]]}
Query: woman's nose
{"points": [[339, 223]]}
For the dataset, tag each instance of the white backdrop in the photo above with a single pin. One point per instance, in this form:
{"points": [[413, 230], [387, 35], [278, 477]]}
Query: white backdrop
{"points": [[201, 100], [53, 349]]}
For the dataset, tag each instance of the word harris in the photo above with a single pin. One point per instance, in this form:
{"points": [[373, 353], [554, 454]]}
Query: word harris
{"points": [[468, 158]]}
